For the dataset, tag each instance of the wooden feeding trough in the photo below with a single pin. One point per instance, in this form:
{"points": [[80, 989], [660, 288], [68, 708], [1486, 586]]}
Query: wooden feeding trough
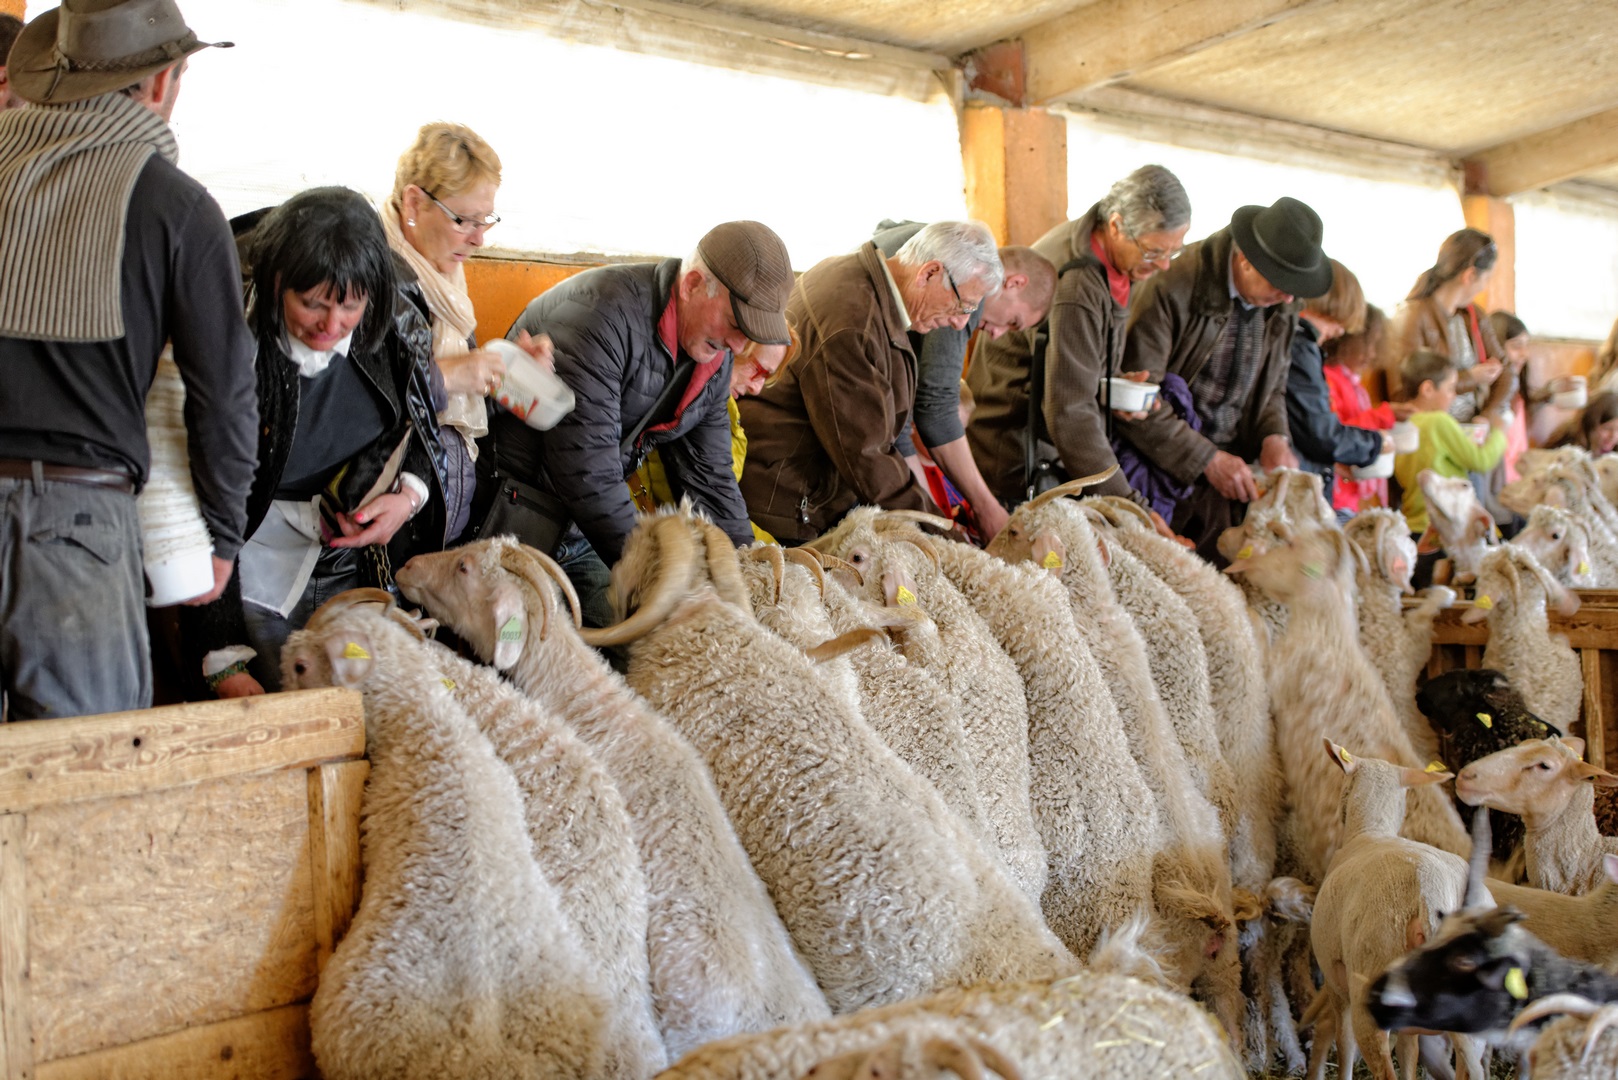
{"points": [[171, 882]]}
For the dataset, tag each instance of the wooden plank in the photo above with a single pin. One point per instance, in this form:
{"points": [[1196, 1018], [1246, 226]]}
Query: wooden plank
{"points": [[168, 910], [18, 1050], [271, 1045], [127, 753], [1109, 40], [1545, 157], [1593, 626], [335, 793], [1598, 689]]}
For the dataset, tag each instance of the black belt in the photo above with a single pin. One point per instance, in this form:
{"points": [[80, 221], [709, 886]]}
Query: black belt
{"points": [[16, 469]]}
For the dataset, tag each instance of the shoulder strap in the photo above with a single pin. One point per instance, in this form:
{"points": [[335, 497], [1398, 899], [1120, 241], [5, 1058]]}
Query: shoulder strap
{"points": [[669, 394]]}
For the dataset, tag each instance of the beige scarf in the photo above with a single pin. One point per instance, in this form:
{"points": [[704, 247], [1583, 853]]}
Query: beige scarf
{"points": [[453, 324], [66, 174]]}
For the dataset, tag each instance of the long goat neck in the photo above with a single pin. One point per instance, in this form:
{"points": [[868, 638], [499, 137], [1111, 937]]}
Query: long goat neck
{"points": [[570, 677], [1325, 614], [1373, 802], [1561, 841]]}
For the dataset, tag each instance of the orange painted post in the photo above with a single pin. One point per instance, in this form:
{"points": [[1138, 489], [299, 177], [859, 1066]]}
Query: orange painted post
{"points": [[1495, 217], [11, 7], [501, 288], [1016, 170]]}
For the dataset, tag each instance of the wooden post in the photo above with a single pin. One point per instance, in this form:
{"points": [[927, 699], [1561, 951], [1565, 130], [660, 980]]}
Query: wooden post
{"points": [[1495, 217], [1016, 170], [12, 7]]}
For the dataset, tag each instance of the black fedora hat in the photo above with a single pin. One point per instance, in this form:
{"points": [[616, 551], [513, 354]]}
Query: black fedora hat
{"points": [[1282, 242]]}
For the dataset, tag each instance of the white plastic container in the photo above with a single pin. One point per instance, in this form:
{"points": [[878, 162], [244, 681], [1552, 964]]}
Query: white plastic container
{"points": [[1479, 430], [1130, 396], [175, 545], [530, 391], [1406, 437], [1380, 469], [1569, 392]]}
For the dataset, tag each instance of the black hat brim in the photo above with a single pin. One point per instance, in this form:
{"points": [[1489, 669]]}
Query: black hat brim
{"points": [[1304, 282]]}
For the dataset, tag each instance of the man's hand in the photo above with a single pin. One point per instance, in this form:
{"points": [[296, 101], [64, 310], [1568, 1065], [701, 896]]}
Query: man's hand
{"points": [[221, 578], [540, 348], [1277, 454], [240, 684], [1137, 376], [992, 517], [375, 522], [1231, 477]]}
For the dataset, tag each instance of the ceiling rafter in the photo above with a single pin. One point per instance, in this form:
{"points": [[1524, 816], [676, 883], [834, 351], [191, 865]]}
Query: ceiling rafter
{"points": [[1546, 157]]}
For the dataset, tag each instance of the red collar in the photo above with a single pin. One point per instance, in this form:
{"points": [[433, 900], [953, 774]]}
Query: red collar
{"points": [[1117, 284], [668, 331]]}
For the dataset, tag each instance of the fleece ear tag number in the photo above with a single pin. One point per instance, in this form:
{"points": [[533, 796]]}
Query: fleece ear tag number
{"points": [[1486, 720], [511, 629], [905, 596], [1483, 602], [353, 651], [1516, 985], [1051, 561]]}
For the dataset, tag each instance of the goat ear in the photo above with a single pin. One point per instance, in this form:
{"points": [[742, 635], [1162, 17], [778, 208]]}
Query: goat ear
{"points": [[351, 658], [1433, 774], [1343, 758], [1609, 863], [1049, 551], [898, 588], [1477, 612], [1429, 542], [510, 617], [1583, 770], [1574, 743]]}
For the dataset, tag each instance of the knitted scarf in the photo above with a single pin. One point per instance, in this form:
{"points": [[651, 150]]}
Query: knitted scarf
{"points": [[453, 322], [66, 174]]}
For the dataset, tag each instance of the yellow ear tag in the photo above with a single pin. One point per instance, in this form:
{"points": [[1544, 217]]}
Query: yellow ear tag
{"points": [[1435, 766], [1516, 985], [1345, 757], [1485, 719], [1583, 568], [1246, 552], [1483, 602], [352, 651], [449, 684], [511, 630], [1053, 561], [905, 596]]}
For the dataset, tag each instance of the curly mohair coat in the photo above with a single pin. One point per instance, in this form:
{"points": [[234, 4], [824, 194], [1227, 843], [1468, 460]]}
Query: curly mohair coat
{"points": [[982, 678], [1192, 887], [459, 961], [1513, 593], [1093, 807], [1106, 1021], [1397, 641], [885, 891], [1322, 685], [721, 961]]}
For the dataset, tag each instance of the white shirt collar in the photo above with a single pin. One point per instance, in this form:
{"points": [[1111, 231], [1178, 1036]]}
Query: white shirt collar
{"points": [[311, 362]]}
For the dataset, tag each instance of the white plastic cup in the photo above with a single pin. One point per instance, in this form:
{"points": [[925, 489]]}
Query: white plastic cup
{"points": [[1570, 392], [188, 574], [1380, 469], [530, 391], [1406, 437], [1479, 430], [1128, 395]]}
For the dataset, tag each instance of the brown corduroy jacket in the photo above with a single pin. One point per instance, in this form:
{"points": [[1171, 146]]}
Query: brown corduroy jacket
{"points": [[1082, 338], [1418, 324], [1173, 323], [820, 438]]}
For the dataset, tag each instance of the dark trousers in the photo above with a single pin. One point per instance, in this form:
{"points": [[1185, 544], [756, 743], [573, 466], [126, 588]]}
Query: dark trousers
{"points": [[1202, 515]]}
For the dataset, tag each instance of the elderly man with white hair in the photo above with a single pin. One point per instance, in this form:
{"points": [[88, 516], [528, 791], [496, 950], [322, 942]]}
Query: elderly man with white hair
{"points": [[821, 438]]}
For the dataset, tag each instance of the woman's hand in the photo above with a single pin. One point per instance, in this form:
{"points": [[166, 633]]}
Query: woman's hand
{"points": [[476, 373], [240, 684], [540, 348], [1402, 410], [1484, 372], [376, 521]]}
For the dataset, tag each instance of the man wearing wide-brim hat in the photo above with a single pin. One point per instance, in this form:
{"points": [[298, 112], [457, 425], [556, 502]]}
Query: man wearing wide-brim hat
{"points": [[107, 252], [1221, 317]]}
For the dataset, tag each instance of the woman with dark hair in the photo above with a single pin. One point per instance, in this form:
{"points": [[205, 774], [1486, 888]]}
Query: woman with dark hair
{"points": [[1596, 426], [349, 461], [1439, 316]]}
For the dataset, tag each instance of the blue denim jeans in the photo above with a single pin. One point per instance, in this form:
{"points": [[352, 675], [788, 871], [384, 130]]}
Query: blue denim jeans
{"points": [[267, 631], [590, 576], [73, 638]]}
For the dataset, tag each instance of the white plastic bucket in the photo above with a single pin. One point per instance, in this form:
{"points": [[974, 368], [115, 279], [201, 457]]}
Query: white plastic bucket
{"points": [[530, 391], [1479, 430], [187, 574], [1569, 392], [1130, 396], [1406, 437], [1380, 469]]}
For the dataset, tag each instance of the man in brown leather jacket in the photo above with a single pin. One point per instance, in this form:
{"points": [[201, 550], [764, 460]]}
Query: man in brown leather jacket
{"points": [[821, 437], [1221, 317]]}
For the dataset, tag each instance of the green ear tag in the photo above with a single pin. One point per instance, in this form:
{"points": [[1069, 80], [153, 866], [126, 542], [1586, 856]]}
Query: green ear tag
{"points": [[1485, 719], [512, 630], [1313, 570], [1516, 985]]}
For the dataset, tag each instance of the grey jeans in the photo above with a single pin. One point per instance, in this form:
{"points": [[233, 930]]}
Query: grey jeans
{"points": [[72, 602]]}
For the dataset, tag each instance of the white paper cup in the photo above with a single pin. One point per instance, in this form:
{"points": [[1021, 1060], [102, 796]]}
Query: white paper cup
{"points": [[530, 391], [1569, 392], [1130, 396], [187, 575], [1380, 469], [1479, 430], [1406, 437]]}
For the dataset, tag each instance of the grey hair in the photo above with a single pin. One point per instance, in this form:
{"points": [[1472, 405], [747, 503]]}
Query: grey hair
{"points": [[967, 249], [1148, 200], [694, 261]]}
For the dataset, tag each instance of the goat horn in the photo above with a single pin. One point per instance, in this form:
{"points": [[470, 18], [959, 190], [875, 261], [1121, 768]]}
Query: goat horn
{"points": [[408, 621], [832, 648], [525, 562], [1477, 894], [772, 554], [678, 561], [808, 561], [832, 562], [924, 544], [1072, 487], [1116, 506], [1552, 1005], [724, 567], [919, 517], [347, 599]]}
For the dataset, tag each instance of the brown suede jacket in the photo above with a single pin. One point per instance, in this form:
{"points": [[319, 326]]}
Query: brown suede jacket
{"points": [[820, 438], [1418, 324], [1174, 321]]}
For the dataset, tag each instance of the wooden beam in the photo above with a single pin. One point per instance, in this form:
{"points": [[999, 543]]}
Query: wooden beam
{"points": [[1110, 40], [271, 1045], [1496, 217], [17, 1049], [335, 794], [1546, 157], [1016, 170]]}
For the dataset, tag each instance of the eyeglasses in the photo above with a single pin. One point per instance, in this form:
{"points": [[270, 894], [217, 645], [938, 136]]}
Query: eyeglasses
{"points": [[464, 225], [961, 306], [1155, 256]]}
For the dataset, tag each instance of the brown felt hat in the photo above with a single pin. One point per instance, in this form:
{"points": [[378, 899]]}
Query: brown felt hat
{"points": [[751, 262], [90, 47]]}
